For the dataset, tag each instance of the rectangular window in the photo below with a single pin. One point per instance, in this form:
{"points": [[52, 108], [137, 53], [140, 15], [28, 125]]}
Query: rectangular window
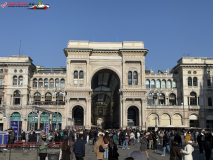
{"points": [[207, 72], [0, 100], [1, 70], [208, 82], [16, 101], [1, 81], [62, 85]]}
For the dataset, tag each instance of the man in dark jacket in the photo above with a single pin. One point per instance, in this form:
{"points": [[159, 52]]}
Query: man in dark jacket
{"points": [[11, 137], [151, 140], [79, 148], [207, 145], [32, 138], [85, 135], [95, 136]]}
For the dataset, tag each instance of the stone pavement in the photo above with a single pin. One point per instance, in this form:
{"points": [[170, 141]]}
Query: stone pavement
{"points": [[19, 154]]}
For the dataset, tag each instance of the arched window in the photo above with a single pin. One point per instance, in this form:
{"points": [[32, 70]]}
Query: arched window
{"points": [[209, 102], [57, 83], [174, 84], [62, 83], [189, 81], [150, 100], [147, 83], [48, 97], [195, 81], [81, 75], [129, 78], [20, 81], [163, 83], [158, 84], [169, 84], [34, 82], [37, 98], [172, 99], [51, 83], [17, 97], [40, 83], [152, 83], [14, 80], [161, 99], [193, 98], [135, 78], [75, 74], [100, 111], [46, 83]]}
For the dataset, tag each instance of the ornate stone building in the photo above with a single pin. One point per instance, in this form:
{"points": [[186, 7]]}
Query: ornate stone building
{"points": [[105, 84]]}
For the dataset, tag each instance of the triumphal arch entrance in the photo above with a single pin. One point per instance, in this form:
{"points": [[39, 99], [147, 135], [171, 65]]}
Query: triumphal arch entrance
{"points": [[105, 84]]}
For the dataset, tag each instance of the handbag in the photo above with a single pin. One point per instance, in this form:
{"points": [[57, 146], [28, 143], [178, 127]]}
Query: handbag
{"points": [[42, 147], [101, 149]]}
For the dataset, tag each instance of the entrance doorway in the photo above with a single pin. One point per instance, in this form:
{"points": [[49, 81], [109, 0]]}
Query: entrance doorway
{"points": [[105, 98], [133, 116], [78, 115]]}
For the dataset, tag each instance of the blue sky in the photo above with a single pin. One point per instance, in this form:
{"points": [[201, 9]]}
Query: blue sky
{"points": [[168, 28]]}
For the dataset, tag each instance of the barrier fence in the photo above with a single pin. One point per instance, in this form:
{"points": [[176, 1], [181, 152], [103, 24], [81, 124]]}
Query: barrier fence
{"points": [[27, 150]]}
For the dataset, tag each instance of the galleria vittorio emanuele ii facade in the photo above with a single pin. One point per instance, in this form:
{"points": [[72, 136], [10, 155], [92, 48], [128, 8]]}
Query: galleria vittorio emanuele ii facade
{"points": [[105, 84]]}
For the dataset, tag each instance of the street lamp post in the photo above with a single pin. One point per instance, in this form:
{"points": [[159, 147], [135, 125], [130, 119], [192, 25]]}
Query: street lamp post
{"points": [[57, 93], [155, 95]]}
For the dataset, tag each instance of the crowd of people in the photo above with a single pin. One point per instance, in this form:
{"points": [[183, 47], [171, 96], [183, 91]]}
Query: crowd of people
{"points": [[107, 142]]}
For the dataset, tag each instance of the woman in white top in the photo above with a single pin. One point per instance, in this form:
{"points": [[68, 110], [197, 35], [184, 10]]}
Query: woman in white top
{"points": [[187, 152]]}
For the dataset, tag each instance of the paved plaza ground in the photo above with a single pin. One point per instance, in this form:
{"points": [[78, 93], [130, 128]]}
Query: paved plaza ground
{"points": [[19, 154]]}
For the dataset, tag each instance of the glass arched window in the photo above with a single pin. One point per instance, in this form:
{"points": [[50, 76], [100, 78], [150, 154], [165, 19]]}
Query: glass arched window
{"points": [[57, 83], [150, 100], [158, 83], [135, 78], [46, 83], [51, 83], [15, 79], [152, 83], [193, 98], [81, 75], [40, 83], [209, 102], [17, 97], [48, 97], [163, 83], [172, 99], [169, 85], [75, 74], [147, 83], [20, 81], [161, 99], [37, 98], [62, 83], [129, 78], [174, 84], [195, 81], [189, 81], [34, 82]]}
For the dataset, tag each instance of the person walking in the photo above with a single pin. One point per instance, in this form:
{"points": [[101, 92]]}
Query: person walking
{"points": [[207, 146], [143, 147], [91, 136], [175, 151], [151, 140], [200, 140], [132, 137], [113, 150], [79, 148], [97, 146], [106, 139], [57, 138], [65, 150], [138, 136], [11, 136], [124, 138], [187, 152], [166, 144], [178, 139], [43, 142]]}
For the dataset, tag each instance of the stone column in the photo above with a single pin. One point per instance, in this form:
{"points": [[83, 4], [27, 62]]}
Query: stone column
{"points": [[144, 116], [88, 111], [123, 71], [124, 114], [38, 121], [87, 72], [121, 115]]}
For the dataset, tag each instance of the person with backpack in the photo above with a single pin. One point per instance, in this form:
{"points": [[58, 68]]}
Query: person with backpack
{"points": [[124, 138], [100, 147], [113, 150]]}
